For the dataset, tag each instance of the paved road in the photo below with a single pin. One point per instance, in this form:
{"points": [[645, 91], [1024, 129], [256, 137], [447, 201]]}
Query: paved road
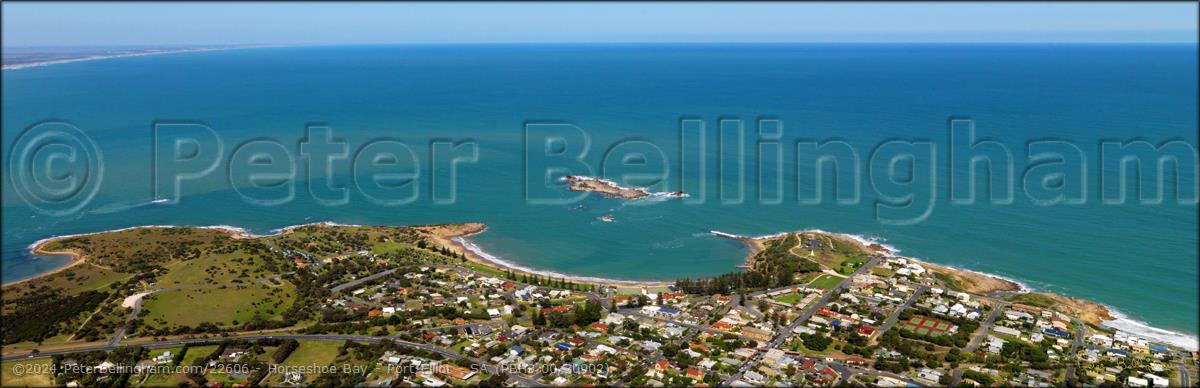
{"points": [[137, 309], [987, 325], [786, 332], [891, 321], [1076, 343], [956, 375], [356, 282], [1183, 375]]}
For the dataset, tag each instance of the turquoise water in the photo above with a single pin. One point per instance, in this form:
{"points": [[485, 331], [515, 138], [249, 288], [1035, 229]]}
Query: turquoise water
{"points": [[1140, 259]]}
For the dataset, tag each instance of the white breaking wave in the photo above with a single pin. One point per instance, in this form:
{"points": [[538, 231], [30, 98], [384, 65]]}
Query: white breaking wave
{"points": [[120, 207], [650, 195], [1142, 329]]}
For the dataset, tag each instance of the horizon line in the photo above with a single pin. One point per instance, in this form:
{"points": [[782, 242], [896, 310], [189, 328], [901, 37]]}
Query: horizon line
{"points": [[507, 43]]}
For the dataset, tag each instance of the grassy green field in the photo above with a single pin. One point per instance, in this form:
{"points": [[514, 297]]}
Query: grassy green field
{"points": [[486, 269], [950, 282], [310, 354], [171, 379], [884, 272], [629, 291], [220, 306], [1033, 300], [77, 279], [210, 269], [58, 339], [847, 267], [27, 373], [790, 298], [826, 281]]}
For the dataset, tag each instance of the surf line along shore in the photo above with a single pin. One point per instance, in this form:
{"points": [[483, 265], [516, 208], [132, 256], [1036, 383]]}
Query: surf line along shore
{"points": [[455, 237]]}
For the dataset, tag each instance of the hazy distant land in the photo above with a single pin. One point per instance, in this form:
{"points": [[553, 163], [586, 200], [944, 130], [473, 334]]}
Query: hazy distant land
{"points": [[23, 57]]}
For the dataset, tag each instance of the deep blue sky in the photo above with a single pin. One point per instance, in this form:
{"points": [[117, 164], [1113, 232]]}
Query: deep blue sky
{"points": [[90, 24]]}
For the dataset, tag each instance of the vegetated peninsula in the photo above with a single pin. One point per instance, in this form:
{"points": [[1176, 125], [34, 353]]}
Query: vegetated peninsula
{"points": [[808, 307]]}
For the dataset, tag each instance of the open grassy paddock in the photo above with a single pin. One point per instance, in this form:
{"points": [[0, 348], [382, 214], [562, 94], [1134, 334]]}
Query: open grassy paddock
{"points": [[826, 282], [220, 306], [27, 373]]}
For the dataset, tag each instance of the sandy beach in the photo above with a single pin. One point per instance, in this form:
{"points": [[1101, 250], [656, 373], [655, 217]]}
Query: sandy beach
{"points": [[453, 237], [76, 259]]}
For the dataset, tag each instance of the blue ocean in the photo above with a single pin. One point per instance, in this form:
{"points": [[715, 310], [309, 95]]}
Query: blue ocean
{"points": [[639, 109]]}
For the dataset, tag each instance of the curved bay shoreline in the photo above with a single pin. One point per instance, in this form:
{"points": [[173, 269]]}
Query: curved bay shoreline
{"points": [[456, 237]]}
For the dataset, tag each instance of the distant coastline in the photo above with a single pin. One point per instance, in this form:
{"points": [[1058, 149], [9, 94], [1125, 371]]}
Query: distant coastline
{"points": [[67, 58], [456, 237]]}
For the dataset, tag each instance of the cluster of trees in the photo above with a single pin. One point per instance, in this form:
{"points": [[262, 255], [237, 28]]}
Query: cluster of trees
{"points": [[197, 374], [284, 350], [582, 314], [724, 284], [919, 354], [815, 342], [779, 265], [1018, 350], [774, 266], [71, 374], [547, 281], [43, 314], [125, 356]]}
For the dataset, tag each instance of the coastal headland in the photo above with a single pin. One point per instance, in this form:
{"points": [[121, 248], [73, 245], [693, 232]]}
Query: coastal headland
{"points": [[160, 286], [952, 278], [455, 238]]}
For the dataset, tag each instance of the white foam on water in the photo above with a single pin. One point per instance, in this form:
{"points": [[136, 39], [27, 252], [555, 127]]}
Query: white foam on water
{"points": [[1142, 329], [649, 195]]}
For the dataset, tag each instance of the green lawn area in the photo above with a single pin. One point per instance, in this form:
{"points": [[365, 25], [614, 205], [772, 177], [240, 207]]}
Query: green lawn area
{"points": [[75, 280], [386, 246], [310, 355], [807, 277], [790, 298], [1033, 300], [197, 352], [486, 269], [948, 281], [629, 291], [848, 266], [220, 306], [58, 339], [174, 379], [657, 290], [27, 373], [458, 347], [209, 269], [884, 272], [826, 281]]}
